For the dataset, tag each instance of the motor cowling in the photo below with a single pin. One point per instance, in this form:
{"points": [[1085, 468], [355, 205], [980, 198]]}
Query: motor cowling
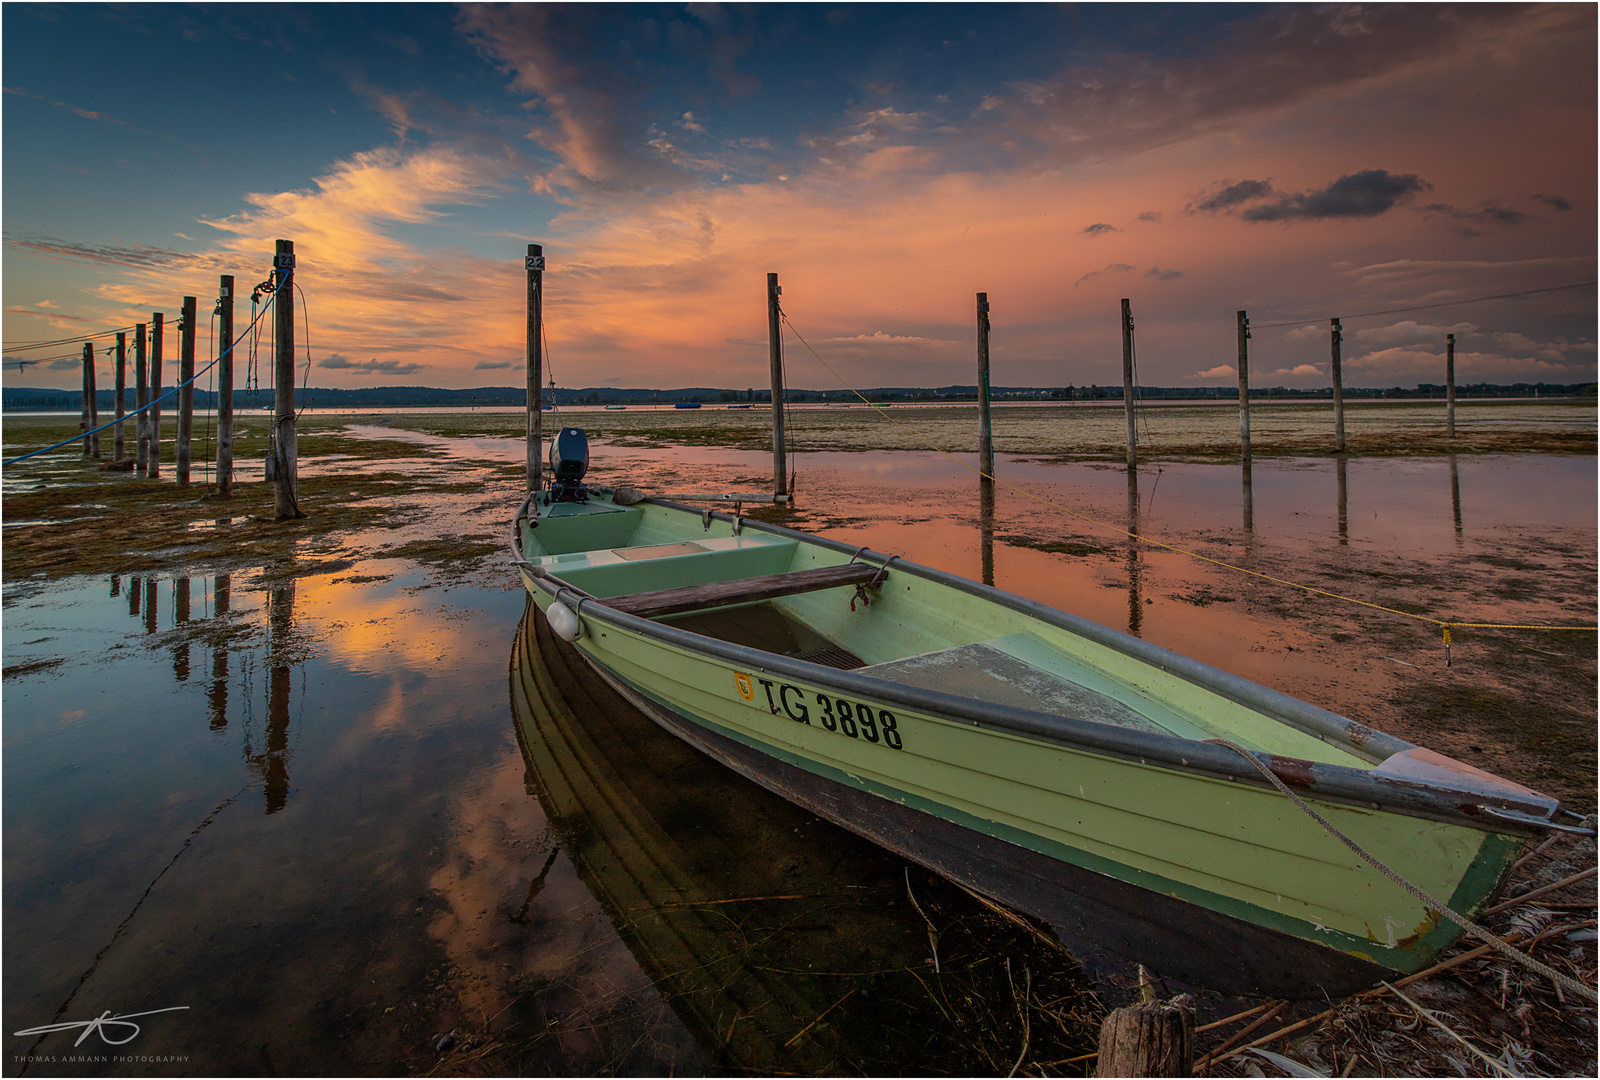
{"points": [[569, 461]]}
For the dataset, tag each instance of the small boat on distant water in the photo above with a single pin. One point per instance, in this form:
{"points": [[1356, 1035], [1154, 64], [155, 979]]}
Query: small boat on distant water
{"points": [[616, 406], [1071, 771], [686, 405], [738, 406]]}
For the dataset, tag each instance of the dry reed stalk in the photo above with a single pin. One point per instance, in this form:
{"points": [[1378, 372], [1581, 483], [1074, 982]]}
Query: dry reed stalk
{"points": [[1535, 894]]}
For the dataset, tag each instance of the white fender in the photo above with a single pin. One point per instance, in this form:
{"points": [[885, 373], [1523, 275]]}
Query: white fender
{"points": [[563, 622]]}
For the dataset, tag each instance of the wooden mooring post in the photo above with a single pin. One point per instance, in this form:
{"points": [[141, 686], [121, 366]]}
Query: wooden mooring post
{"points": [[182, 448], [1127, 382], [118, 446], [141, 398], [535, 366], [985, 427], [1450, 385], [156, 327], [1336, 336], [1244, 388], [1151, 1038], [225, 388], [780, 465], [86, 404], [285, 449]]}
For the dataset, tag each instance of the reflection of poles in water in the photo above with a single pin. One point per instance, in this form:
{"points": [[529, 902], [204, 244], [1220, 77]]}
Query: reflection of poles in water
{"points": [[986, 526], [218, 694], [149, 605], [534, 889], [1249, 498], [274, 766], [180, 614], [116, 585], [1455, 495], [1135, 608], [135, 591], [1344, 504]]}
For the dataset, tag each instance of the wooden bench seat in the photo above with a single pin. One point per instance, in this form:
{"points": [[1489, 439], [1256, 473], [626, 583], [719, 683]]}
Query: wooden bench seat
{"points": [[649, 605]]}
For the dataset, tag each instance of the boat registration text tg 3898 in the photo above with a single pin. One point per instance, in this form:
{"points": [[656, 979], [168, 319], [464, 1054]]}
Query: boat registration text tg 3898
{"points": [[857, 720]]}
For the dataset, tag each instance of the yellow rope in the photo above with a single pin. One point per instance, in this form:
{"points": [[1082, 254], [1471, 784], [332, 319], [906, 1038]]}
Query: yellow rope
{"points": [[1442, 624]]}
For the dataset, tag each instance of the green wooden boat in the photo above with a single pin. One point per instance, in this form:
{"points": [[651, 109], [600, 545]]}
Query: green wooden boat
{"points": [[1053, 764]]}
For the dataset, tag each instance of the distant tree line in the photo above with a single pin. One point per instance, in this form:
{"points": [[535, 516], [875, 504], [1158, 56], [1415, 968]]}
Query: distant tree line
{"points": [[30, 399]]}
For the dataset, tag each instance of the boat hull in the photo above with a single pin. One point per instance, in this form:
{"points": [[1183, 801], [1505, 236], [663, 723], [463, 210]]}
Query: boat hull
{"points": [[1200, 946], [1170, 851]]}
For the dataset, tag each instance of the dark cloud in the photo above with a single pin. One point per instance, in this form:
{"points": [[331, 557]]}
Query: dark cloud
{"points": [[1229, 195], [373, 366], [1272, 61], [589, 74], [1100, 228], [1554, 200], [1163, 275], [491, 365], [1364, 194], [1150, 215]]}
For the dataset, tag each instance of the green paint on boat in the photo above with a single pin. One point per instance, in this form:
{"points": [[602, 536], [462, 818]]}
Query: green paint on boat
{"points": [[1029, 726]]}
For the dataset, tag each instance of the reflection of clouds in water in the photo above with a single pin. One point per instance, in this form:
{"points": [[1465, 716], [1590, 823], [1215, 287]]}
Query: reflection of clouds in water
{"points": [[576, 973]]}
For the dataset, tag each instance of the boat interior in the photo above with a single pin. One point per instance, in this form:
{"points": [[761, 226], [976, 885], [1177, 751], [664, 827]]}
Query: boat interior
{"points": [[705, 574]]}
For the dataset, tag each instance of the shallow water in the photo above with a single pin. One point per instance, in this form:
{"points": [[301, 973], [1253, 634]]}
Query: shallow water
{"points": [[303, 809]]}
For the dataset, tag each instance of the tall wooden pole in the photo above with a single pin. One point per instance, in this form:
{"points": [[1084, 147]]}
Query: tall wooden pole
{"points": [[1244, 388], [1450, 385], [186, 330], [985, 426], [156, 327], [1127, 383], [118, 446], [1337, 337], [535, 350], [225, 388], [285, 445], [141, 398], [94, 399], [85, 395], [780, 467]]}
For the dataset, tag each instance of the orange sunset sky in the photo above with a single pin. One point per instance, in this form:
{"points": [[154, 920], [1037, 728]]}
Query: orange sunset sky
{"points": [[887, 162]]}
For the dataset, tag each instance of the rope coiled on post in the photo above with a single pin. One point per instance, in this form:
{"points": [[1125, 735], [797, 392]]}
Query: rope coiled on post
{"points": [[1462, 921]]}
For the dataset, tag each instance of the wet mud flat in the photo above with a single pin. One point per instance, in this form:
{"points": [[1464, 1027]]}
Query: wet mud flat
{"points": [[1085, 431], [278, 773]]}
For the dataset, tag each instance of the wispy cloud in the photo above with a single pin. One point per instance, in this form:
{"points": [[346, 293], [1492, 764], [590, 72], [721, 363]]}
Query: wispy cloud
{"points": [[372, 366], [1114, 268]]}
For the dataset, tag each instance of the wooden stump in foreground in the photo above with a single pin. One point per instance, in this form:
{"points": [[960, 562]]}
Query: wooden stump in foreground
{"points": [[1152, 1038]]}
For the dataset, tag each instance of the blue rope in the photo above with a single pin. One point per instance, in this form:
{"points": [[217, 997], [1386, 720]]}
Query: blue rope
{"points": [[288, 277]]}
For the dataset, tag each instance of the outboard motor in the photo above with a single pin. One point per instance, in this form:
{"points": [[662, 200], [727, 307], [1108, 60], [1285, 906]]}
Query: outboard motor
{"points": [[569, 460]]}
